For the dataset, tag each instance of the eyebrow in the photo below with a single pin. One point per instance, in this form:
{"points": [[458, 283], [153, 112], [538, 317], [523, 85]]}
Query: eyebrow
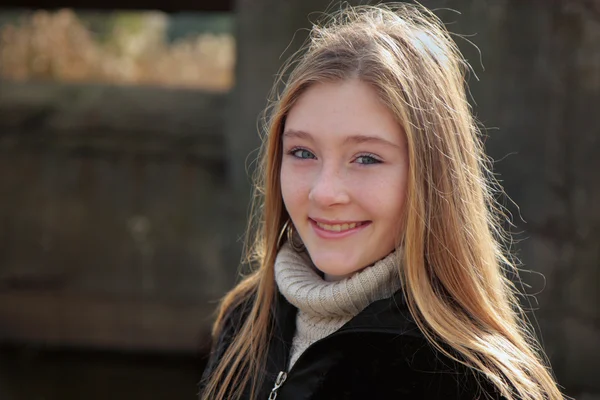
{"points": [[292, 133]]}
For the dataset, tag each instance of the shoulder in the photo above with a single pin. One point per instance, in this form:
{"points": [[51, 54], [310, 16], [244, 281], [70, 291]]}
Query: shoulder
{"points": [[230, 322], [403, 367], [436, 375], [234, 316], [232, 319]]}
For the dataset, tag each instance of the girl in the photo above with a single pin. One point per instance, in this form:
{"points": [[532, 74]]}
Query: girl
{"points": [[379, 269]]}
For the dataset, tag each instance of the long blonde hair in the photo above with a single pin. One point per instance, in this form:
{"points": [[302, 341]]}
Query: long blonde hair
{"points": [[454, 267]]}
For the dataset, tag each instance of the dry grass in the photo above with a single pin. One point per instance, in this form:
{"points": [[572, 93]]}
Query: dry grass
{"points": [[58, 46]]}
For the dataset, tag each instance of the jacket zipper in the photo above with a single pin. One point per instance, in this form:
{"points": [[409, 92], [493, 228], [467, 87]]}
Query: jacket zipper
{"points": [[283, 375], [278, 382]]}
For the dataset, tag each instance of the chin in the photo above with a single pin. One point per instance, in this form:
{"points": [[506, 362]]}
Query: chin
{"points": [[330, 265]]}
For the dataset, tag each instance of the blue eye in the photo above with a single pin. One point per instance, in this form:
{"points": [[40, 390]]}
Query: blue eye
{"points": [[367, 159], [302, 154]]}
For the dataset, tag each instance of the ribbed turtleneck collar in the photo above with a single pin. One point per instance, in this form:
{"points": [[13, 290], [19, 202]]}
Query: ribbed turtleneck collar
{"points": [[303, 286]]}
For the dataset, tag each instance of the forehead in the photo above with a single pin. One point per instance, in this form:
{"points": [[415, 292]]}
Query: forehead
{"points": [[335, 110]]}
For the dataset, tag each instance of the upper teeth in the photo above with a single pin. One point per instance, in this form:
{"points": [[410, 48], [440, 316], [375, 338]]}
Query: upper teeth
{"points": [[338, 227]]}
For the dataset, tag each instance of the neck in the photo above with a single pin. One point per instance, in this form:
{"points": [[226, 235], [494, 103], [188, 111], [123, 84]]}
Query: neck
{"points": [[336, 278], [304, 286], [326, 303]]}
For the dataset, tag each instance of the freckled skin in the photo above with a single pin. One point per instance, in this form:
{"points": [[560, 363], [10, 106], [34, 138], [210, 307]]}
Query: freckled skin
{"points": [[327, 175]]}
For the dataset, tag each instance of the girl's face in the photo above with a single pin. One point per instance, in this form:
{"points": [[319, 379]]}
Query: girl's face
{"points": [[343, 176]]}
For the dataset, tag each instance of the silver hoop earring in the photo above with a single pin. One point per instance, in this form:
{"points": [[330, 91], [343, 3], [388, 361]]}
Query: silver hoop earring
{"points": [[294, 238]]}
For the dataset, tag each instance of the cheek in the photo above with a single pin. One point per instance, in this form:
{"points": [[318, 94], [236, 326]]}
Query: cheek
{"points": [[396, 206], [292, 189], [385, 197]]}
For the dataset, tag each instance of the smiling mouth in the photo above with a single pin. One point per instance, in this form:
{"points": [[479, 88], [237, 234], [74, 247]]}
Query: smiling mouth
{"points": [[339, 227]]}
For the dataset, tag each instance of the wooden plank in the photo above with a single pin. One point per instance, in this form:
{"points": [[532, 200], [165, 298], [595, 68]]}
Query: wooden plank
{"points": [[27, 107], [104, 120], [83, 320]]}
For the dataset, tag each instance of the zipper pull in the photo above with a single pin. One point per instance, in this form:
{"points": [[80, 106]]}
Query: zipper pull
{"points": [[278, 382]]}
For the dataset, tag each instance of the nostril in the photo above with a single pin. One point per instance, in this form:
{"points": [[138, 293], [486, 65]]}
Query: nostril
{"points": [[328, 193]]}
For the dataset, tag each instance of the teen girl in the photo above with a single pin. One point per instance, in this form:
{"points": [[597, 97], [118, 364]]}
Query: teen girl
{"points": [[380, 274]]}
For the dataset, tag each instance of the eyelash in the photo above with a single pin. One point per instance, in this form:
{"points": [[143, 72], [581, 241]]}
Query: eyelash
{"points": [[375, 159]]}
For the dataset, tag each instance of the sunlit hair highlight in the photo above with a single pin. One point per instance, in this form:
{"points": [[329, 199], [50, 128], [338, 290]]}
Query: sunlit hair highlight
{"points": [[454, 270]]}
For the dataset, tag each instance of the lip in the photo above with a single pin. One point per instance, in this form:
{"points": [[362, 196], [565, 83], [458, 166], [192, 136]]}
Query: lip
{"points": [[322, 233]]}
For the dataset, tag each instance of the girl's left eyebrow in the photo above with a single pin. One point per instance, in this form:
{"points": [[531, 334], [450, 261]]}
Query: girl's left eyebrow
{"points": [[358, 139], [369, 139]]}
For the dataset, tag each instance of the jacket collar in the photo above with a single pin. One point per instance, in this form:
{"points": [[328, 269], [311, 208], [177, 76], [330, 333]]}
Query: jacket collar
{"points": [[390, 315]]}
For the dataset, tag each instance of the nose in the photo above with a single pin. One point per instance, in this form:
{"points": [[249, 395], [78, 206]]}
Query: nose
{"points": [[328, 188]]}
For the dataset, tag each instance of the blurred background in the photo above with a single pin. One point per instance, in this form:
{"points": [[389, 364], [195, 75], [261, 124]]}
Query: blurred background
{"points": [[127, 130]]}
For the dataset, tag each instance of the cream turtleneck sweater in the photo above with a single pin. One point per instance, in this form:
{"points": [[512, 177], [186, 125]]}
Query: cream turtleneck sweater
{"points": [[323, 307]]}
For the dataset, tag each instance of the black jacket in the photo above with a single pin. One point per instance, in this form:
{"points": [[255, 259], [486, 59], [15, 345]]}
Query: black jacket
{"points": [[379, 354]]}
